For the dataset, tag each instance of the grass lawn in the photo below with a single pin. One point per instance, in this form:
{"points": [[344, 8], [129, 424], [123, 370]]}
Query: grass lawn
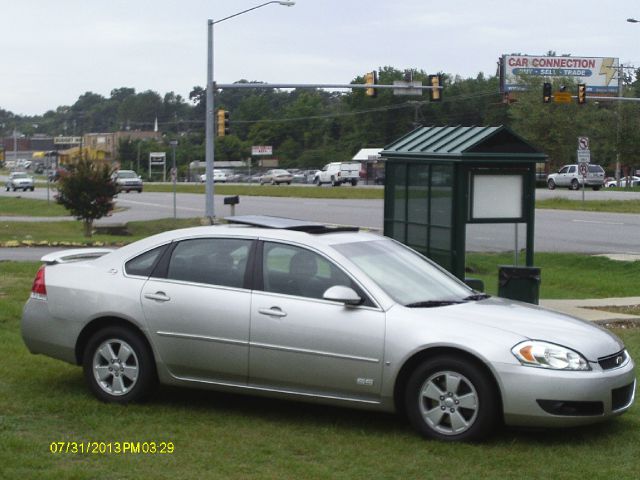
{"points": [[53, 233], [30, 207], [565, 275], [346, 192], [612, 206], [227, 436]]}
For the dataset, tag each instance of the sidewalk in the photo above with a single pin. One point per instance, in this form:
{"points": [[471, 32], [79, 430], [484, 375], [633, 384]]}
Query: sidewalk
{"points": [[584, 308]]}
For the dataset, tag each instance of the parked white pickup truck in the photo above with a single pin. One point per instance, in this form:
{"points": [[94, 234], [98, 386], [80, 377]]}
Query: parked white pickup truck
{"points": [[337, 173]]}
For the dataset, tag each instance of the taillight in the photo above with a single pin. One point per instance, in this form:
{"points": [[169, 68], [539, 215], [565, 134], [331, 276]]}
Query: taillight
{"points": [[39, 289]]}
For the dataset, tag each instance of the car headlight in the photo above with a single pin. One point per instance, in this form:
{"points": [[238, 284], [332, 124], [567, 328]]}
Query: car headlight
{"points": [[535, 353]]}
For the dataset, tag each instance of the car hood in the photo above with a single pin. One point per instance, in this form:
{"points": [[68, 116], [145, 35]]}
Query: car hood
{"points": [[536, 323]]}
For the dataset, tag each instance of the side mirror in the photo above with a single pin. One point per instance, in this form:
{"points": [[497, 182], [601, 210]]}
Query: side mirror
{"points": [[342, 294]]}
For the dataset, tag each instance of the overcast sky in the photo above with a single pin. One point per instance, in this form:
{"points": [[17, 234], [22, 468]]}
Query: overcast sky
{"points": [[54, 51]]}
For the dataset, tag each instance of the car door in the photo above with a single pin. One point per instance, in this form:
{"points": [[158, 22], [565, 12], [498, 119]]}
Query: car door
{"points": [[198, 312], [303, 343], [561, 178]]}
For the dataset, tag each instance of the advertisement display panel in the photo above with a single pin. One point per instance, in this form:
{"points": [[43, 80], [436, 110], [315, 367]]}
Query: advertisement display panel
{"points": [[600, 74]]}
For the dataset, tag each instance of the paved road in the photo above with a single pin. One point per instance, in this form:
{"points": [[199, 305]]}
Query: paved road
{"points": [[556, 230]]}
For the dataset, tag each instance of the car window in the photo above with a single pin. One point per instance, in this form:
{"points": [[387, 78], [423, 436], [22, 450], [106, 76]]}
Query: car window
{"points": [[296, 271], [595, 169], [563, 170], [572, 169], [143, 264], [214, 261]]}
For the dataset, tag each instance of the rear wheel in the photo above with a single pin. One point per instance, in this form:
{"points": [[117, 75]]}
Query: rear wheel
{"points": [[575, 185], [596, 188], [354, 183], [449, 398], [551, 184], [119, 366], [316, 181]]}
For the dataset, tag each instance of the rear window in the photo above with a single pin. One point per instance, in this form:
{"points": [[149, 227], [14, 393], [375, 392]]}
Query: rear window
{"points": [[143, 264], [595, 169]]}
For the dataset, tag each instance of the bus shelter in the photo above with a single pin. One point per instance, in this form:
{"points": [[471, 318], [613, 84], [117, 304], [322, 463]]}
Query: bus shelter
{"points": [[439, 179]]}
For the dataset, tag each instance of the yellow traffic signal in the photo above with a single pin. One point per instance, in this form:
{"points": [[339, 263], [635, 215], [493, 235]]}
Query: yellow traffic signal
{"points": [[371, 78], [435, 81], [582, 93], [223, 123]]}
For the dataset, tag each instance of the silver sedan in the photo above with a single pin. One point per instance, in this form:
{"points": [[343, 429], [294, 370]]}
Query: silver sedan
{"points": [[300, 310]]}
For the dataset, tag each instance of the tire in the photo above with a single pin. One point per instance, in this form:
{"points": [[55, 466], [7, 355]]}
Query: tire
{"points": [[354, 183], [575, 185], [596, 188], [14, 189], [316, 181], [288, 183], [32, 188], [551, 184], [114, 347], [435, 395], [273, 182]]}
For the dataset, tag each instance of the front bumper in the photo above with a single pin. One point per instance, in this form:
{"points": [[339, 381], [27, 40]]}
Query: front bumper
{"points": [[590, 396]]}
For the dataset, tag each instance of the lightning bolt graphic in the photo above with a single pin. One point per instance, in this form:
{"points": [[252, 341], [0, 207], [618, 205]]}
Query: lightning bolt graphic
{"points": [[608, 69]]}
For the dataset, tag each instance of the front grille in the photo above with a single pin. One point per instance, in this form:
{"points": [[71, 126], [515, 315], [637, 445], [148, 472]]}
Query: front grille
{"points": [[613, 361], [570, 408], [621, 397]]}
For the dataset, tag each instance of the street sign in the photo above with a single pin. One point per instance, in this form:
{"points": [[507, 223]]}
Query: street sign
{"points": [[408, 90], [262, 150], [584, 156], [583, 143], [562, 97], [583, 169]]}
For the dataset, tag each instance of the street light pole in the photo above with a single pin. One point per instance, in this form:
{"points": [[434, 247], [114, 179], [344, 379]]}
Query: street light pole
{"points": [[174, 175], [209, 134]]}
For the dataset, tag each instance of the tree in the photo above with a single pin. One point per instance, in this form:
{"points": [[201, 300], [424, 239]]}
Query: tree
{"points": [[87, 191]]}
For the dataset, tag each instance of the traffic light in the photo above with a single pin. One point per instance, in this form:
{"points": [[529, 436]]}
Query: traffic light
{"points": [[223, 123], [371, 78], [546, 92], [582, 93], [435, 94]]}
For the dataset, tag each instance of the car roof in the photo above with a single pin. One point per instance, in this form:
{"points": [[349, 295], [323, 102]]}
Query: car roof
{"points": [[319, 236]]}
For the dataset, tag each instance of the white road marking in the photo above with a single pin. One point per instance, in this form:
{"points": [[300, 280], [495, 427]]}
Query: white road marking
{"points": [[601, 223]]}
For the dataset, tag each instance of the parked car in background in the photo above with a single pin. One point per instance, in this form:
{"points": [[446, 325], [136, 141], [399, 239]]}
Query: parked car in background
{"points": [[127, 181], [301, 310], [20, 181], [569, 176], [218, 176], [276, 177], [633, 182]]}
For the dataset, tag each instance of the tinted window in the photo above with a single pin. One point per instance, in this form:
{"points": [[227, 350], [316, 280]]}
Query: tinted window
{"points": [[296, 271], [143, 264], [572, 169], [215, 261], [563, 170], [595, 169]]}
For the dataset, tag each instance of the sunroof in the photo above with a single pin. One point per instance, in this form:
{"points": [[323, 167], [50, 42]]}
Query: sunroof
{"points": [[267, 221]]}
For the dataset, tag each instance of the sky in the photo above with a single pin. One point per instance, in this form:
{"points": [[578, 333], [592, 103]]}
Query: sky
{"points": [[54, 51]]}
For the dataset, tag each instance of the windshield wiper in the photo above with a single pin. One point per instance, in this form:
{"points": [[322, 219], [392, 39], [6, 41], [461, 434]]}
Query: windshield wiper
{"points": [[432, 303], [477, 296]]}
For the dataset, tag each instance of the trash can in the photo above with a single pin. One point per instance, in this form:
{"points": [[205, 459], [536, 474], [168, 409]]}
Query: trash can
{"points": [[519, 283]]}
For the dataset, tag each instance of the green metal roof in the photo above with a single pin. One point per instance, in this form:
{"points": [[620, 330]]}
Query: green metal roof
{"points": [[461, 143]]}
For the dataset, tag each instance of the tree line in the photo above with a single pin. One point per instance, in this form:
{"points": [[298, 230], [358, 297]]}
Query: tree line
{"points": [[308, 128]]}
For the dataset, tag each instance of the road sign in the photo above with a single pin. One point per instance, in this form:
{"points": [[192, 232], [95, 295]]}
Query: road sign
{"points": [[583, 169], [262, 150], [583, 143], [562, 97], [407, 90], [584, 156]]}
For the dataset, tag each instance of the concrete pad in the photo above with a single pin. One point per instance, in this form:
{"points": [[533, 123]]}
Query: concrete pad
{"points": [[620, 257], [585, 308]]}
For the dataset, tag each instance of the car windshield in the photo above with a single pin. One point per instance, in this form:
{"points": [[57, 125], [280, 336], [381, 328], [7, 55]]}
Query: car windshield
{"points": [[127, 175], [404, 275], [280, 172], [20, 175]]}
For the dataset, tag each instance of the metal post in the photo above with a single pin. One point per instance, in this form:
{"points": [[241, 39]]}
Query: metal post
{"points": [[209, 144], [174, 175], [515, 255]]}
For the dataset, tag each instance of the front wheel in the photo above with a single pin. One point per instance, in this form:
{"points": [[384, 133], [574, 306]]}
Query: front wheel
{"points": [[448, 398], [316, 181], [119, 366]]}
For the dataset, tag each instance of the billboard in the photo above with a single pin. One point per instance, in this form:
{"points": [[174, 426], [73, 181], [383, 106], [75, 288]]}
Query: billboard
{"points": [[600, 74]]}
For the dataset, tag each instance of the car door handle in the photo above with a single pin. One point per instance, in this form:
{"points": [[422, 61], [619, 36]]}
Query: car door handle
{"points": [[158, 296], [272, 312]]}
